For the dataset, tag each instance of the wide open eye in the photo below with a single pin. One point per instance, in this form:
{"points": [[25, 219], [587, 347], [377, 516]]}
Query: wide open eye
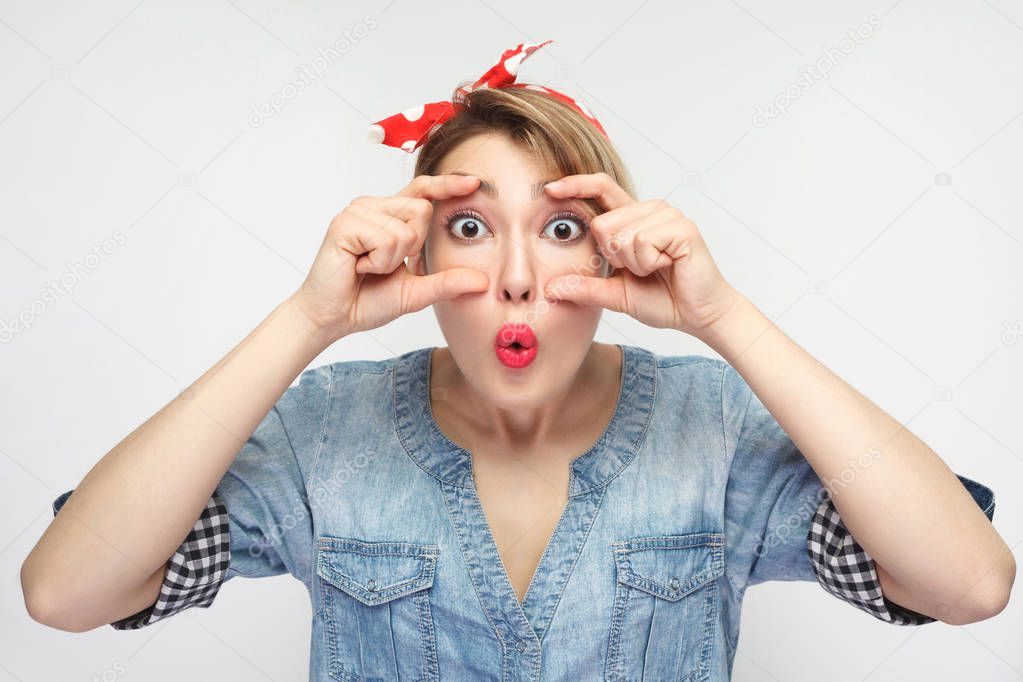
{"points": [[560, 227], [467, 225]]}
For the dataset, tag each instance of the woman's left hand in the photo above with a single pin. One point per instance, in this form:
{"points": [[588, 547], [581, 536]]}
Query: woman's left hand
{"points": [[664, 275]]}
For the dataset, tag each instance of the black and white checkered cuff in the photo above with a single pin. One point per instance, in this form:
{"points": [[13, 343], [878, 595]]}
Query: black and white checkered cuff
{"points": [[847, 571], [196, 571]]}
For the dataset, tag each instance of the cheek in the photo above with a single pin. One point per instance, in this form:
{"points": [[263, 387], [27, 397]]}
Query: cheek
{"points": [[582, 259], [462, 322]]}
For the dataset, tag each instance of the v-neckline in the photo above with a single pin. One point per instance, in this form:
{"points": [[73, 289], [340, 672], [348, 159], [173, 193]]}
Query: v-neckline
{"points": [[491, 537], [589, 474]]}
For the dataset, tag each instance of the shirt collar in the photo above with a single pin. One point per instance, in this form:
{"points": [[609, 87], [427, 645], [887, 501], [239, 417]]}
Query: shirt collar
{"points": [[432, 451]]}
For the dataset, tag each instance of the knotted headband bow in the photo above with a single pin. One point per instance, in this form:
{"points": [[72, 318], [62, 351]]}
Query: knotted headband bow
{"points": [[410, 128]]}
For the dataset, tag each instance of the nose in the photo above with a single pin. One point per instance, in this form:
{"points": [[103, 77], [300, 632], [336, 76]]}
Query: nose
{"points": [[516, 282]]}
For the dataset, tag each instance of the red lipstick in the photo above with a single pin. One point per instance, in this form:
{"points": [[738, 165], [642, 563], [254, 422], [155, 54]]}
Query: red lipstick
{"points": [[515, 344]]}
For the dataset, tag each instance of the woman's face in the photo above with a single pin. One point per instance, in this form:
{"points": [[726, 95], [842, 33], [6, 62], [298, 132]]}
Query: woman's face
{"points": [[520, 237]]}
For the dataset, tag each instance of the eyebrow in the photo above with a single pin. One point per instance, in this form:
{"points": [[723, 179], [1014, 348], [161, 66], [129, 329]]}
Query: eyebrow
{"points": [[490, 189]]}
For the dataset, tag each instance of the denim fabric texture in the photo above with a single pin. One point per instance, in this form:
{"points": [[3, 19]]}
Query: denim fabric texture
{"points": [[692, 494]]}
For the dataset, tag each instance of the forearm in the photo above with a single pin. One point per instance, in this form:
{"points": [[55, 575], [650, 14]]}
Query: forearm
{"points": [[136, 505], [898, 499]]}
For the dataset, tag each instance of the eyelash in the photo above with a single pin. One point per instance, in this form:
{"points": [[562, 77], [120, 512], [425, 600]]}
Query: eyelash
{"points": [[559, 215]]}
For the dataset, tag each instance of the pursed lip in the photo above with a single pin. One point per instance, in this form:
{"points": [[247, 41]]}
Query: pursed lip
{"points": [[515, 332]]}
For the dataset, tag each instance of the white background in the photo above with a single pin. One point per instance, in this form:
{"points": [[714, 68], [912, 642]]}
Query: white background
{"points": [[878, 222]]}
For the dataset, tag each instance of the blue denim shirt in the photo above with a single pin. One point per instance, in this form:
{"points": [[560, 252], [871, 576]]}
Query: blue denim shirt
{"points": [[692, 494]]}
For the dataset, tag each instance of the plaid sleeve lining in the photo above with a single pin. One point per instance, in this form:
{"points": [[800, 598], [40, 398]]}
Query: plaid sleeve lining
{"points": [[846, 570], [196, 571]]}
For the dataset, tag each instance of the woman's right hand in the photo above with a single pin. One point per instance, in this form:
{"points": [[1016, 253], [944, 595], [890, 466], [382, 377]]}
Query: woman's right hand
{"points": [[359, 280]]}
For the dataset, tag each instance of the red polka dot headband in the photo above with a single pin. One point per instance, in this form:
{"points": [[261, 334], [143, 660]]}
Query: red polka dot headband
{"points": [[409, 129]]}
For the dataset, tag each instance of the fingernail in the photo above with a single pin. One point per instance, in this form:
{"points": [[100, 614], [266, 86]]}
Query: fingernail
{"points": [[557, 184]]}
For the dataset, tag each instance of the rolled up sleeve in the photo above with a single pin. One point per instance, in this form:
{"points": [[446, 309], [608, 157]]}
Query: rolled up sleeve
{"points": [[196, 570], [846, 570], [257, 522]]}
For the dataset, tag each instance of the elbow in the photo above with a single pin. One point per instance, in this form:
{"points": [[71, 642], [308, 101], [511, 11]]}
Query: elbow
{"points": [[43, 609], [43, 606], [998, 589], [987, 598], [38, 607]]}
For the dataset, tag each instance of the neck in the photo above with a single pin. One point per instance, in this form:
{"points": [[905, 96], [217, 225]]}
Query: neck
{"points": [[570, 409]]}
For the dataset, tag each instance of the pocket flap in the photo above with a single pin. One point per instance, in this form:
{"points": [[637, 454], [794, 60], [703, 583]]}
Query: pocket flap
{"points": [[376, 572], [670, 566]]}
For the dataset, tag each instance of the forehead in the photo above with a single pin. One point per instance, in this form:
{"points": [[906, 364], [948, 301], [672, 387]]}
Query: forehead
{"points": [[489, 187], [495, 157], [505, 169]]}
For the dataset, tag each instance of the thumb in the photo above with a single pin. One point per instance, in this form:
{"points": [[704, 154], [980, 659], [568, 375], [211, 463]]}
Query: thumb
{"points": [[603, 291], [424, 290]]}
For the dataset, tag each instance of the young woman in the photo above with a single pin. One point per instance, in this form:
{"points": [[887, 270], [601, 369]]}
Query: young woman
{"points": [[524, 503]]}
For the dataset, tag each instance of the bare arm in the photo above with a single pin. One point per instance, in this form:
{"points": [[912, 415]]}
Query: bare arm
{"points": [[935, 550], [104, 555]]}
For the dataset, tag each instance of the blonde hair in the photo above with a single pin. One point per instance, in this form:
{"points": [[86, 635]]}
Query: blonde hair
{"points": [[561, 139]]}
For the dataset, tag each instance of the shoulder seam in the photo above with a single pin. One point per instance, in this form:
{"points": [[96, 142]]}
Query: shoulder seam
{"points": [[666, 361], [323, 424], [724, 434], [745, 413]]}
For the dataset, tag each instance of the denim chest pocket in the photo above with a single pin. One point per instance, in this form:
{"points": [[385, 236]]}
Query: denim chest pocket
{"points": [[665, 607], [375, 604]]}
